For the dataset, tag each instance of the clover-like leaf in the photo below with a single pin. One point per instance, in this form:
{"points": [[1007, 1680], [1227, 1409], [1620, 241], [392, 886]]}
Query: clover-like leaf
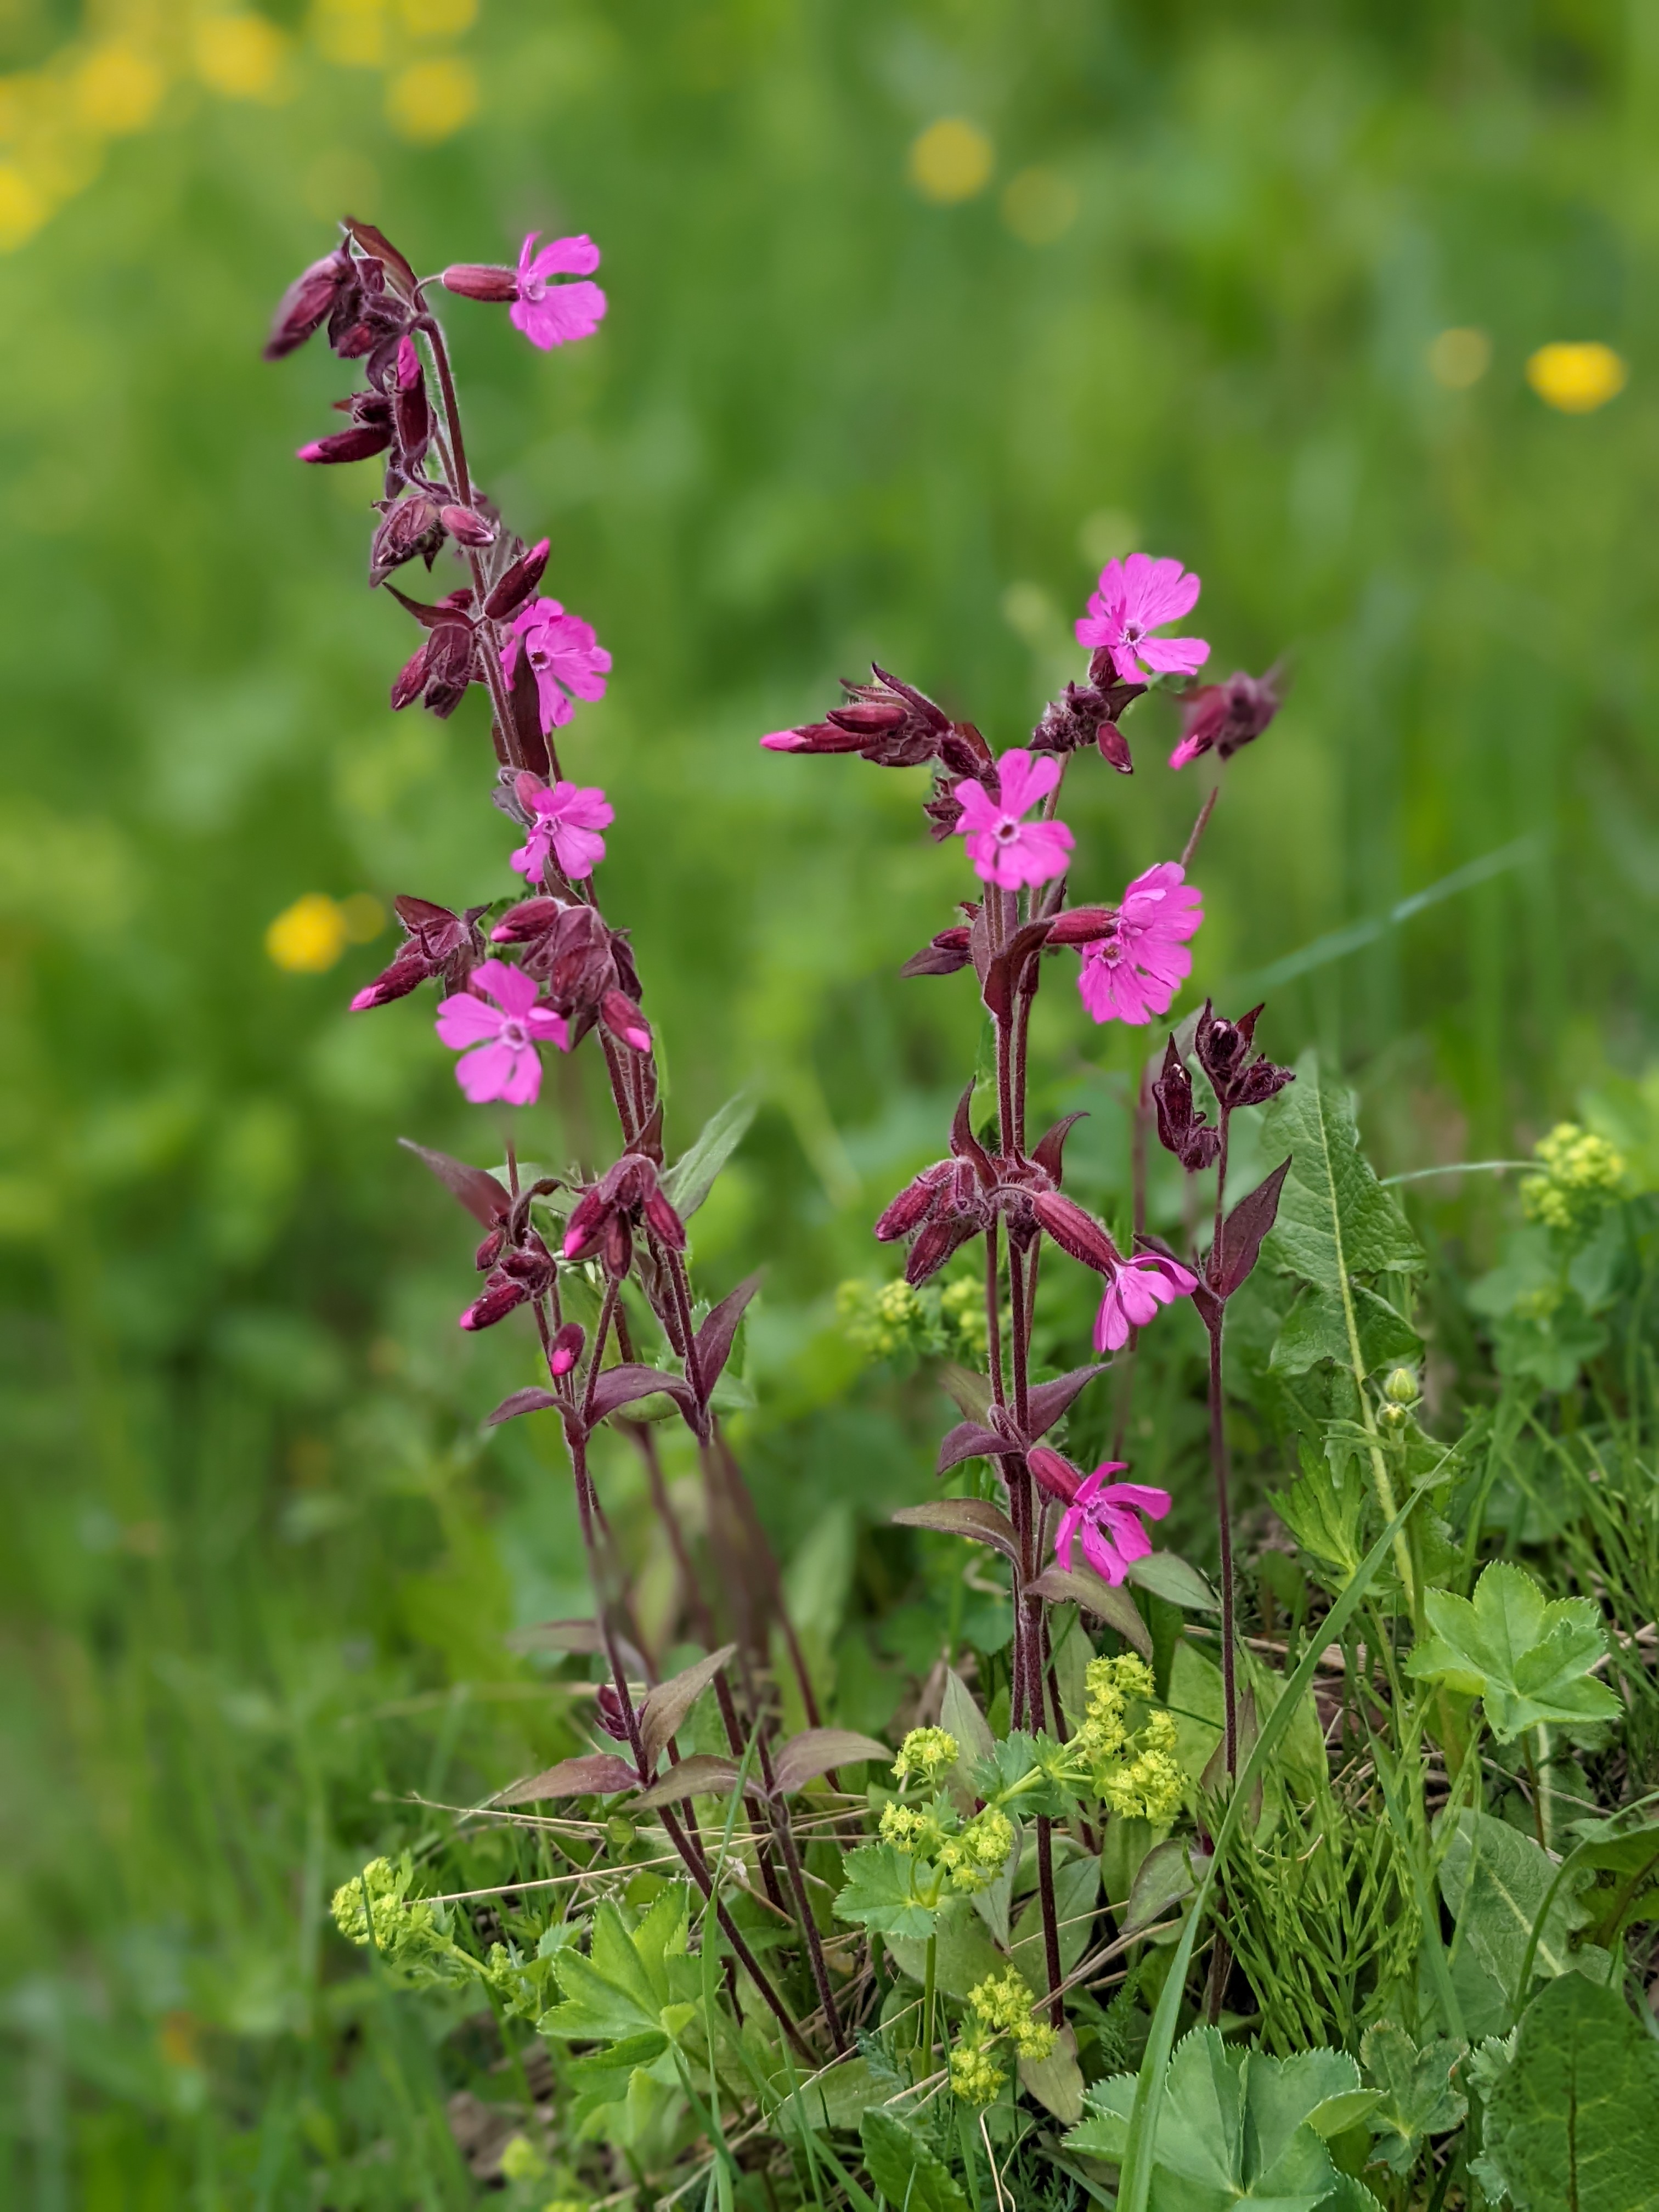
{"points": [[1529, 1659], [1420, 2096], [878, 1893]]}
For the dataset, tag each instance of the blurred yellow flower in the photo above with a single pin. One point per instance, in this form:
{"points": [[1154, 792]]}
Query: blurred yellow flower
{"points": [[117, 88], [1577, 378], [950, 161], [352, 32], [307, 938], [22, 208], [1459, 358], [438, 19], [241, 57], [1039, 206], [430, 99]]}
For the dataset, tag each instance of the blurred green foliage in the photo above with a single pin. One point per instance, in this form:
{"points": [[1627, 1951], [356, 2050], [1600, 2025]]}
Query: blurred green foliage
{"points": [[259, 1565]]}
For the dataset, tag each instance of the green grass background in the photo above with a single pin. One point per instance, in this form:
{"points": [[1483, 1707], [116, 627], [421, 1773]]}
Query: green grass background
{"points": [[257, 1563]]}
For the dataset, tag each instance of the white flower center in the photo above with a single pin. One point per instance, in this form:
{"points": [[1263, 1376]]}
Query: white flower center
{"points": [[1006, 830], [514, 1033]]}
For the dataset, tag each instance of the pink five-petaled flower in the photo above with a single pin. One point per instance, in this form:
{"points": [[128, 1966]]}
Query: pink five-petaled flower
{"points": [[565, 819], [1135, 1288], [552, 314], [1005, 849], [1134, 972], [569, 660], [1131, 598], [497, 1044], [1107, 1516]]}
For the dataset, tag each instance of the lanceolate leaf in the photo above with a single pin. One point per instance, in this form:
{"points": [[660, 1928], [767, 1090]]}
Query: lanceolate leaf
{"points": [[967, 1440], [1083, 1586], [1529, 1660], [715, 1337], [976, 1518], [1046, 1402], [668, 1705], [815, 1751], [626, 1384], [1242, 1233], [689, 1181], [532, 1400], [1168, 1576], [702, 1775], [484, 1198], [596, 1774], [1335, 1220]]}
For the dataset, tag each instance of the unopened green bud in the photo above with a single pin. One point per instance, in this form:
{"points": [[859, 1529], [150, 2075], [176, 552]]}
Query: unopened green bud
{"points": [[1402, 1387]]}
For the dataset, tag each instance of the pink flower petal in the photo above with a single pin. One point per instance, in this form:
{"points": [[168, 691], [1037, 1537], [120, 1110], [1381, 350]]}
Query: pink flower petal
{"points": [[485, 1073], [464, 1020], [1173, 656], [511, 988], [1101, 1556], [550, 1027], [579, 851], [1023, 780], [524, 1083], [563, 257], [980, 812], [1140, 1498]]}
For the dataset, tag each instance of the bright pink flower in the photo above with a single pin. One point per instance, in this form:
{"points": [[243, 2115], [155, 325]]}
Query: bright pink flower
{"points": [[552, 314], [502, 1061], [1004, 848], [1107, 1516], [1136, 596], [1135, 972], [1135, 1288], [565, 819], [568, 659]]}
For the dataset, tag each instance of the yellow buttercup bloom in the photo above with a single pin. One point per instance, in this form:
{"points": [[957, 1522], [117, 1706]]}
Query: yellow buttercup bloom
{"points": [[307, 938], [1577, 378], [432, 100], [950, 161]]}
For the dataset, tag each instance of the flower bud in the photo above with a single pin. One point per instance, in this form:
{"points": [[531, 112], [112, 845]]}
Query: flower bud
{"points": [[466, 527], [498, 1298], [623, 1019], [1114, 748], [530, 919], [912, 1206], [1075, 1232], [475, 280], [307, 302], [360, 443], [567, 1348], [665, 1223], [1402, 1387], [518, 583], [1082, 925], [1053, 1473], [489, 1251]]}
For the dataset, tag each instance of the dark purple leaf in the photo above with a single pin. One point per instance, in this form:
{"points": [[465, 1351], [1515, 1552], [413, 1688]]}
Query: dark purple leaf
{"points": [[1053, 1143], [623, 1386], [966, 1145], [1081, 1586], [521, 1401], [1046, 1402], [976, 1518], [476, 1189], [815, 1751], [1004, 975], [428, 617], [715, 1338], [668, 1704], [596, 1774], [377, 243], [968, 1441], [701, 1776], [939, 959], [1242, 1233]]}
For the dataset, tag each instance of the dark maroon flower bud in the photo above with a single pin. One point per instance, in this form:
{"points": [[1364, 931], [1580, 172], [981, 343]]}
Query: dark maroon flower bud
{"points": [[1075, 1232], [616, 1245], [1080, 716], [663, 1222], [1082, 925], [1224, 717], [308, 300], [947, 952], [448, 668], [411, 680], [499, 1295], [943, 810], [611, 1715], [438, 943], [475, 280], [531, 918], [409, 969], [934, 1247], [566, 1349], [1053, 1473], [1114, 748], [518, 582], [489, 1251], [1180, 1130], [913, 1203], [891, 724], [412, 527], [1224, 1050], [410, 411], [360, 443], [467, 526], [623, 1019], [586, 1218]]}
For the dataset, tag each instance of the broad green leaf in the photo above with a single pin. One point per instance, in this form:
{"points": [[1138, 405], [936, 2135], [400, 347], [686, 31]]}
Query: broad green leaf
{"points": [[1077, 1889], [1419, 2097], [1528, 1659], [1335, 1220], [1496, 1882], [634, 1982], [1324, 1508], [904, 2169], [1056, 2081], [1235, 2126], [1315, 1328], [879, 1894], [1168, 1576], [1574, 2120], [837, 2099], [965, 1953], [689, 1182]]}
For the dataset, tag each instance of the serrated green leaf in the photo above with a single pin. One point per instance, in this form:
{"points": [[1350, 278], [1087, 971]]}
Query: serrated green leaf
{"points": [[1529, 1660], [689, 1182], [904, 2169], [1335, 1220], [1315, 1328], [879, 1894], [964, 1954], [1419, 2096], [1574, 2120]]}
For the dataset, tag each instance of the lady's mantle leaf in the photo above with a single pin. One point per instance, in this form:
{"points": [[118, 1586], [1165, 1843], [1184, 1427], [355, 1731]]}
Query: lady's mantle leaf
{"points": [[1529, 1660], [1575, 2119], [878, 1893], [1418, 2095]]}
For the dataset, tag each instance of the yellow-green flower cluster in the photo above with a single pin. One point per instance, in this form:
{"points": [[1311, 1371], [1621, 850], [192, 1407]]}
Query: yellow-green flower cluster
{"points": [[1582, 1174], [928, 1754], [1133, 1767], [961, 1318], [909, 1828], [1001, 2005], [882, 1320], [374, 1900], [978, 1855], [975, 2075]]}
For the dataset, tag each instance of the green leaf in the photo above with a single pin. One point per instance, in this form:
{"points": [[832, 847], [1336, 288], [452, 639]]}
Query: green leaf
{"points": [[1324, 1508], [689, 1182], [1497, 1883], [1335, 1220], [903, 2168], [632, 1982], [1315, 1328], [964, 1954], [1235, 2126], [1418, 2096], [1168, 1576], [1574, 2120], [1528, 1660], [878, 1893], [838, 2099], [1077, 1888]]}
